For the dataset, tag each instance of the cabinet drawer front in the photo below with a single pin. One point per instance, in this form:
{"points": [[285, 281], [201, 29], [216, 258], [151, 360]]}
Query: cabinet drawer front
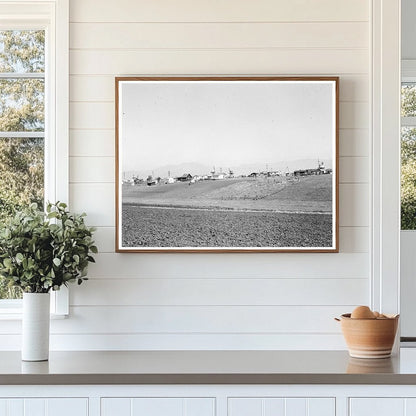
{"points": [[268, 406], [382, 406], [159, 406], [44, 407]]}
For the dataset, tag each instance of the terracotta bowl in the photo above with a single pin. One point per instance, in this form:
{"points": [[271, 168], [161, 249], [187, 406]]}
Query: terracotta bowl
{"points": [[369, 338], [369, 366]]}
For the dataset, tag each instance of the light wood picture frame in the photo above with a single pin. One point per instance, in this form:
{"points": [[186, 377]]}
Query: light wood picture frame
{"points": [[227, 164]]}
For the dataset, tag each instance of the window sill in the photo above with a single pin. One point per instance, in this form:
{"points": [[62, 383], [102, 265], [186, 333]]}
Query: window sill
{"points": [[11, 309]]}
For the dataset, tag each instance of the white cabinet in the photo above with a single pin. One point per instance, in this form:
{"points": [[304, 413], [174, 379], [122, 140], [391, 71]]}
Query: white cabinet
{"points": [[208, 400], [159, 406], [378, 406], [281, 406], [44, 407]]}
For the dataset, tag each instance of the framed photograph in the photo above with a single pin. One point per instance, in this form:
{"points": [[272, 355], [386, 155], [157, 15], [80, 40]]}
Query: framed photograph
{"points": [[226, 164]]}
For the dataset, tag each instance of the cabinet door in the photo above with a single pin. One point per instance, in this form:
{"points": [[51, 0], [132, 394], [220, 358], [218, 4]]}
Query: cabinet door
{"points": [[378, 406], [281, 406], [160, 406], [44, 407]]}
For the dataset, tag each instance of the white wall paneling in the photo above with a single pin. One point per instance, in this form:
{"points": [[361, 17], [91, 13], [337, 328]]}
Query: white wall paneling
{"points": [[92, 169], [183, 341], [96, 199], [353, 142], [221, 61], [161, 319], [218, 35], [100, 142], [353, 169], [221, 291], [232, 11], [353, 205], [219, 301], [200, 320], [319, 266]]}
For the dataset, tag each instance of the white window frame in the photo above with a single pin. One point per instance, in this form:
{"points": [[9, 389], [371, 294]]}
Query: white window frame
{"points": [[408, 237], [53, 17], [385, 156]]}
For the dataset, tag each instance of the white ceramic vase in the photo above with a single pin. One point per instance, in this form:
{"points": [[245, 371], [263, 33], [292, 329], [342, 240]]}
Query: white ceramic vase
{"points": [[35, 326]]}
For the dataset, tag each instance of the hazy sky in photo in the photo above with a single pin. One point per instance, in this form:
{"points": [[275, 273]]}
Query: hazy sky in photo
{"points": [[224, 124]]}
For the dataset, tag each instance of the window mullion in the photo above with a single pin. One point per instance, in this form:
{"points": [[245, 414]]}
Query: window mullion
{"points": [[408, 121], [22, 75], [26, 134]]}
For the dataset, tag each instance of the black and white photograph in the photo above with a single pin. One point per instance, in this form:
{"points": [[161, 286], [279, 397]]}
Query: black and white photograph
{"points": [[227, 164]]}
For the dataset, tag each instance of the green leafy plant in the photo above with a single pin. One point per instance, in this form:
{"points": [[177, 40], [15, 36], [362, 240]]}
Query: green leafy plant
{"points": [[43, 251]]}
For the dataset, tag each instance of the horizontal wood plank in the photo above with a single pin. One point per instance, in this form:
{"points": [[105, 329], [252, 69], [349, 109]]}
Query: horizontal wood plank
{"points": [[354, 205], [92, 115], [86, 320], [200, 319], [97, 200], [92, 143], [218, 11], [218, 35], [354, 115], [354, 142], [220, 292], [146, 342], [105, 239], [231, 265], [98, 88], [220, 62], [354, 169], [354, 239], [91, 169], [37, 11]]}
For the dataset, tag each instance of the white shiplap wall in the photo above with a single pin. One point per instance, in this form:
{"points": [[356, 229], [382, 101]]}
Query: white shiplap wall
{"points": [[214, 301]]}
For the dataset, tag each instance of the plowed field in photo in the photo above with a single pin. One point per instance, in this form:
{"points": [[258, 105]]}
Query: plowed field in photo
{"points": [[242, 212]]}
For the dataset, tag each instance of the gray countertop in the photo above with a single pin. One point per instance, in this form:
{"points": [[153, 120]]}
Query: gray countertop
{"points": [[208, 367]]}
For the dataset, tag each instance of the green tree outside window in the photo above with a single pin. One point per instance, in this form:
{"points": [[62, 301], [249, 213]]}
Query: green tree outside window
{"points": [[22, 109]]}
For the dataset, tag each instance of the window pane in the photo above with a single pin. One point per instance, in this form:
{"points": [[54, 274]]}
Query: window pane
{"points": [[21, 183], [409, 99], [408, 158], [22, 108], [408, 178], [9, 292], [22, 105], [22, 51], [21, 173]]}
